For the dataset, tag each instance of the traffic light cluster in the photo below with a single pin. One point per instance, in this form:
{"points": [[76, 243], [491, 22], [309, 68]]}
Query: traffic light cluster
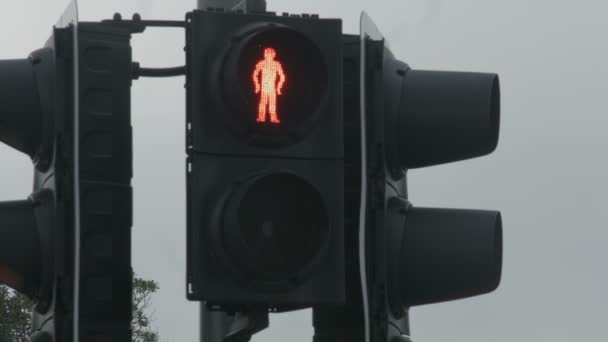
{"points": [[298, 140], [294, 130]]}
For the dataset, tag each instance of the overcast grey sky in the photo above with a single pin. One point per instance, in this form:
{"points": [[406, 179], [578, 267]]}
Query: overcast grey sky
{"points": [[548, 175]]}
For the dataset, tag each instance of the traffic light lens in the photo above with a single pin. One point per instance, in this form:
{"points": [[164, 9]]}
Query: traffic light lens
{"points": [[276, 227], [275, 83]]}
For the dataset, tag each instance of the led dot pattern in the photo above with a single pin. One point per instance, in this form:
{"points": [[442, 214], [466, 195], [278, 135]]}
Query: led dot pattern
{"points": [[270, 70]]}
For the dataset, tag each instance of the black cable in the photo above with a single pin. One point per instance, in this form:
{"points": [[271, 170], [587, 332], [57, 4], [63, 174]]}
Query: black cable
{"points": [[137, 21], [163, 23], [138, 71], [137, 25], [162, 72]]}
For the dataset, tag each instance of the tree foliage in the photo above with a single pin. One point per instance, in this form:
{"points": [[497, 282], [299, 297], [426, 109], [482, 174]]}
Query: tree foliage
{"points": [[16, 312], [15, 316], [141, 323]]}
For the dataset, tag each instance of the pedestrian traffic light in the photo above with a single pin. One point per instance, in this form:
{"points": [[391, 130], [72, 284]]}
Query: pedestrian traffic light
{"points": [[68, 246], [265, 160]]}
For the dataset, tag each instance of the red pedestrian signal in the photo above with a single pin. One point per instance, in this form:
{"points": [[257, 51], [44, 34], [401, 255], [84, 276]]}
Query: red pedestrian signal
{"points": [[270, 70], [265, 161], [270, 86]]}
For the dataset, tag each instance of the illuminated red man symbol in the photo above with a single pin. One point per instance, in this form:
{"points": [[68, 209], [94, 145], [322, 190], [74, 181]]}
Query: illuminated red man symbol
{"points": [[269, 88]]}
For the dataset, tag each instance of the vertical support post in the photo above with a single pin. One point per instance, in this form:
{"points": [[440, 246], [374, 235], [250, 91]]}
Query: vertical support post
{"points": [[214, 325]]}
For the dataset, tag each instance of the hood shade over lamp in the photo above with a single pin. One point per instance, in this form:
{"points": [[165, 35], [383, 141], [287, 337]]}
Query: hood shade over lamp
{"points": [[443, 254], [439, 117], [25, 104]]}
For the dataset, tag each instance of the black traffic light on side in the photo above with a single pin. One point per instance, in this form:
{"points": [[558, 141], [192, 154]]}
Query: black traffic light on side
{"points": [[425, 255], [68, 246], [26, 113], [431, 118], [265, 160]]}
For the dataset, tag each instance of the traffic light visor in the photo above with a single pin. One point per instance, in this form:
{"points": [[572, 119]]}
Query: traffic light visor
{"points": [[445, 117], [20, 109], [447, 254], [20, 252], [26, 104]]}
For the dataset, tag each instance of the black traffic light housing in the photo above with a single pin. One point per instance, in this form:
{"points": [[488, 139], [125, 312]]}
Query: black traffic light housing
{"points": [[34, 101], [431, 118], [398, 119], [26, 125], [424, 255], [68, 246], [265, 194]]}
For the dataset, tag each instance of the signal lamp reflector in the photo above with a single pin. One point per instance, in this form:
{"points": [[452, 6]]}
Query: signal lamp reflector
{"points": [[275, 228]]}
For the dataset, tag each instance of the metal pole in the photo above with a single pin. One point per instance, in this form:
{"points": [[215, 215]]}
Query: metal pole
{"points": [[229, 5], [214, 326], [234, 5]]}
